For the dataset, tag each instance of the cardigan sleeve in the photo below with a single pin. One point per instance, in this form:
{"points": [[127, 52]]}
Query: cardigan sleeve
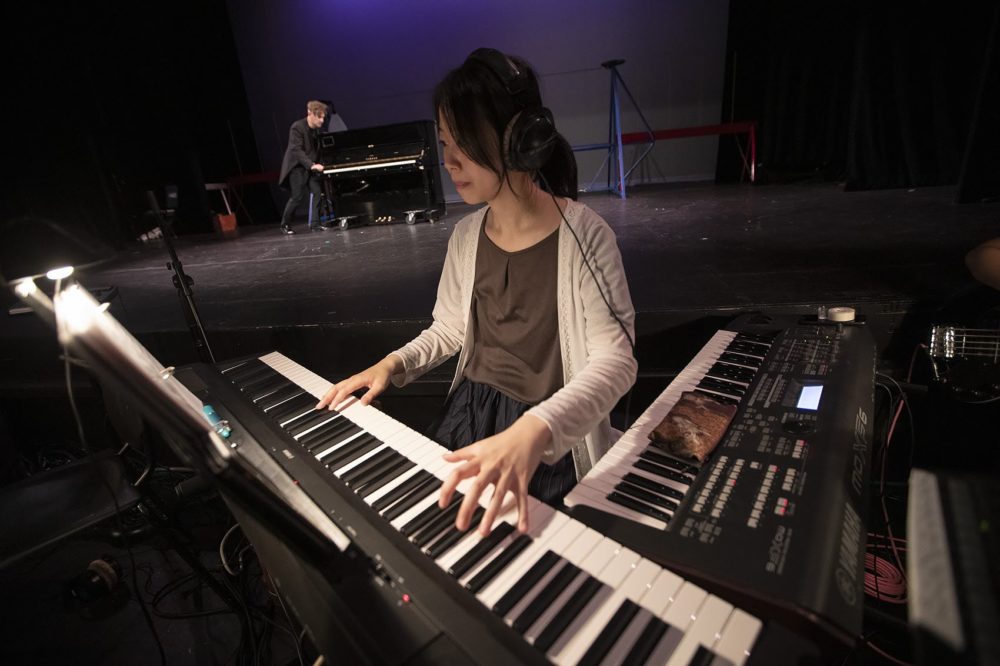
{"points": [[446, 334], [610, 369]]}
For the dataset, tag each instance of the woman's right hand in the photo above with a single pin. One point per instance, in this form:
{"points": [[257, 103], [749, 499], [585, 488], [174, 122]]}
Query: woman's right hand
{"points": [[376, 378]]}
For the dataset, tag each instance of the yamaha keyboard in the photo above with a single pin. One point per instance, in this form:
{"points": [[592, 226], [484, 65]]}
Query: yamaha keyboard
{"points": [[776, 514], [563, 592]]}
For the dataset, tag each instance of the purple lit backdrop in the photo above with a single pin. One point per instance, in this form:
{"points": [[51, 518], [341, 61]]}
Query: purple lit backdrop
{"points": [[378, 60]]}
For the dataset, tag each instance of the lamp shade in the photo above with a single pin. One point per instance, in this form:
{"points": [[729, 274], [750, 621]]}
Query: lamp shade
{"points": [[33, 246]]}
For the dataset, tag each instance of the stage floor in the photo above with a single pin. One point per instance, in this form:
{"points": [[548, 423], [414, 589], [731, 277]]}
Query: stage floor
{"points": [[337, 300], [698, 247]]}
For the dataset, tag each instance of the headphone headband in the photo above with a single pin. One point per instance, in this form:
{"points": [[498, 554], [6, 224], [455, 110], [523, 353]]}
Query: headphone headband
{"points": [[506, 70], [530, 136]]}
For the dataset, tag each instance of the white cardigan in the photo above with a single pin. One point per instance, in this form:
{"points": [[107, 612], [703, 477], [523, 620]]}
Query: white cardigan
{"points": [[598, 363]]}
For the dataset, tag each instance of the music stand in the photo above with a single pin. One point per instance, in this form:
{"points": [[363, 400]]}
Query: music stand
{"points": [[265, 500]]}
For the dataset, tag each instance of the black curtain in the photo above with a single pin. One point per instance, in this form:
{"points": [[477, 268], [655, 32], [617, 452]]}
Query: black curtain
{"points": [[872, 94], [111, 99]]}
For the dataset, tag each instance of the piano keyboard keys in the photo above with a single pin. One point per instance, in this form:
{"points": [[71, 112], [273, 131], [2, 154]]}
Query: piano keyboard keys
{"points": [[574, 594], [638, 479]]}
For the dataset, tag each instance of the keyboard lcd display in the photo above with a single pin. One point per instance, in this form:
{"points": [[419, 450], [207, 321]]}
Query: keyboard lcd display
{"points": [[809, 397]]}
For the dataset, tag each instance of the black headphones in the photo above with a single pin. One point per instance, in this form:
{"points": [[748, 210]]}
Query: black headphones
{"points": [[530, 136]]}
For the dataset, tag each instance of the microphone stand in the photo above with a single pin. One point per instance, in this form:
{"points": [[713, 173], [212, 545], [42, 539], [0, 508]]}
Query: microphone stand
{"points": [[183, 282]]}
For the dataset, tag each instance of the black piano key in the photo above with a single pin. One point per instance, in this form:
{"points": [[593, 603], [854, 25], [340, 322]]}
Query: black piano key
{"points": [[661, 471], [731, 372], [480, 550], [293, 407], [388, 474], [649, 484], [329, 434], [652, 498], [703, 657], [248, 369], [498, 564], [764, 337], [740, 359], [445, 541], [669, 462], [746, 347], [242, 380], [526, 582], [427, 515], [568, 613], [354, 475], [308, 421], [273, 407], [609, 635], [646, 643], [279, 397], [414, 498], [266, 387], [402, 490], [264, 373], [545, 597], [635, 505], [722, 386], [684, 475], [231, 366], [279, 384], [351, 451], [438, 525], [725, 400]]}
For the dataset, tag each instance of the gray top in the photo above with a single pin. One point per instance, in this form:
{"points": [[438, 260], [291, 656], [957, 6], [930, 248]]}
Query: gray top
{"points": [[514, 320]]}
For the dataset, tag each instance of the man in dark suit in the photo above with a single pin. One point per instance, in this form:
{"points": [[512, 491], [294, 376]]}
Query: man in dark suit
{"points": [[299, 169]]}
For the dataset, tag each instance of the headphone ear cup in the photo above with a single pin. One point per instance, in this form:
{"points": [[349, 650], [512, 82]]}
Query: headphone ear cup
{"points": [[529, 139]]}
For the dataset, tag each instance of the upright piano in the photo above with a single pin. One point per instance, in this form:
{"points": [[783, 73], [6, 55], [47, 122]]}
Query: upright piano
{"points": [[388, 173]]}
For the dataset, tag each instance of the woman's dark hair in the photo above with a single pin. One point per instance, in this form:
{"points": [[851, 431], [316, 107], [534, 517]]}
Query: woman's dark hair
{"points": [[474, 103]]}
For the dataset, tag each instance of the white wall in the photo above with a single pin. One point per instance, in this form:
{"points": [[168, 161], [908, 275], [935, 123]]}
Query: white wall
{"points": [[379, 60]]}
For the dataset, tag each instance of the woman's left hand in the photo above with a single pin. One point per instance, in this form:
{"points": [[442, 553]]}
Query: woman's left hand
{"points": [[507, 460]]}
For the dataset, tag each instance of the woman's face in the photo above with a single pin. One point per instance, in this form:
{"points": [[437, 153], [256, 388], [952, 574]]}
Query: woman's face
{"points": [[475, 183]]}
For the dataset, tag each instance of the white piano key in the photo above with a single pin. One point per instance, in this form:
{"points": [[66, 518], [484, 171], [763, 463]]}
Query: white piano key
{"points": [[539, 625], [599, 557], [738, 637], [628, 585], [627, 640], [588, 496], [508, 514], [415, 510], [661, 594], [572, 551], [357, 462], [704, 630], [335, 447], [530, 595], [666, 646], [581, 547], [609, 562], [681, 612], [543, 521], [573, 632], [542, 534], [622, 565], [331, 417], [389, 487]]}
